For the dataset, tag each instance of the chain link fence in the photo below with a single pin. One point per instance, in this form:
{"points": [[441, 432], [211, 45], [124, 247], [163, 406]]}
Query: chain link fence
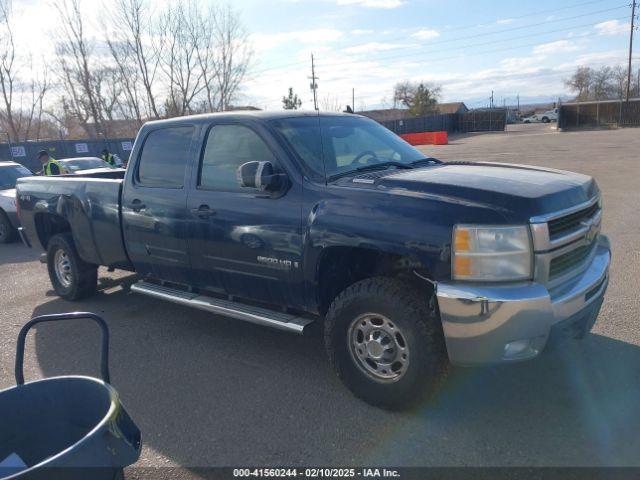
{"points": [[26, 153], [486, 120], [606, 113]]}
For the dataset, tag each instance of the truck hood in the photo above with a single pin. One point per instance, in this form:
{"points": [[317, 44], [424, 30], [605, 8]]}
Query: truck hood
{"points": [[519, 191]]}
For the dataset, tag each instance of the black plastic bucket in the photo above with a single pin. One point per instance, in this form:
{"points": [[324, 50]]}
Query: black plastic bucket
{"points": [[69, 427]]}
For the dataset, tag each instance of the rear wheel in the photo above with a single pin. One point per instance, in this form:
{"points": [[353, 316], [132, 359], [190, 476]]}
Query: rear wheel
{"points": [[71, 277], [385, 342], [7, 232]]}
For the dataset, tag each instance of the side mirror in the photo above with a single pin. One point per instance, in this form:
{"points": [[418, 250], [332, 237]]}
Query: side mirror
{"points": [[260, 175]]}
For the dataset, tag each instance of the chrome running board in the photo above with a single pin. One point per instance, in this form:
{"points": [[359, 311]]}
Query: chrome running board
{"points": [[247, 313]]}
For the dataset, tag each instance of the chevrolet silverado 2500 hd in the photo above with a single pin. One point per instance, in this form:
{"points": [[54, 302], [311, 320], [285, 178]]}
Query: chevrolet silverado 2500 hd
{"points": [[285, 219]]}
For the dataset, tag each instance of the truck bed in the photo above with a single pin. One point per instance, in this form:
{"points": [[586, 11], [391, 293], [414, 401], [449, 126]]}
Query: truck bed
{"points": [[89, 204]]}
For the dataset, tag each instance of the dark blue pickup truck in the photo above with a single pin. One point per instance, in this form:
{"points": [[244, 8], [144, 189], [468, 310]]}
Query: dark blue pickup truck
{"points": [[286, 219]]}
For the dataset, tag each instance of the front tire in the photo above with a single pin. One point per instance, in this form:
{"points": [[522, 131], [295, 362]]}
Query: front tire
{"points": [[7, 232], [71, 277], [385, 342]]}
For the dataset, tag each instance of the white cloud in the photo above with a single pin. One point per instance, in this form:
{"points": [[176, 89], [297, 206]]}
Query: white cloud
{"points": [[504, 21], [374, 47], [426, 34], [561, 46], [267, 41], [372, 3], [361, 31], [612, 27]]}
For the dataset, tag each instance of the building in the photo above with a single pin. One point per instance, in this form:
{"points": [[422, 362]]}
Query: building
{"points": [[392, 114], [455, 107]]}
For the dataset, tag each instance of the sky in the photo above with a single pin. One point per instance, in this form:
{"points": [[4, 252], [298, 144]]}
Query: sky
{"points": [[469, 48]]}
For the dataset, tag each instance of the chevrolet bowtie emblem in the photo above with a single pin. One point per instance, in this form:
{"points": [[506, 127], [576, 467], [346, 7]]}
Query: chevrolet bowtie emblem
{"points": [[592, 231]]}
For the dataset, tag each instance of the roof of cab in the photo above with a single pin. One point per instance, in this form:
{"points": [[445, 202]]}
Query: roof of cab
{"points": [[247, 114]]}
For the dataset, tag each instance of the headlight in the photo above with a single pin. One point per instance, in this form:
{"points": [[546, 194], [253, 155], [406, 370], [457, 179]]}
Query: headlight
{"points": [[491, 254]]}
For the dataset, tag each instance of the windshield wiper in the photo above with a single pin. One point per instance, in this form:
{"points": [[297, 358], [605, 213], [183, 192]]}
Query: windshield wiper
{"points": [[425, 161], [370, 168]]}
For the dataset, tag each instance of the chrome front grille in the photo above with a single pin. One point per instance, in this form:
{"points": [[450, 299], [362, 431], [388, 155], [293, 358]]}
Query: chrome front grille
{"points": [[570, 260], [565, 242], [563, 225]]}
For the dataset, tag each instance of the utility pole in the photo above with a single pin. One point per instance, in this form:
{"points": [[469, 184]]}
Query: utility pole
{"points": [[353, 99], [633, 18], [491, 104], [314, 84], [518, 103]]}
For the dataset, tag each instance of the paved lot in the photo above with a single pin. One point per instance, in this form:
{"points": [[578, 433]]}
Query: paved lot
{"points": [[208, 391]]}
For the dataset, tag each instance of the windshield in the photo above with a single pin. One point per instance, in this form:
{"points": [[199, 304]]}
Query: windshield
{"points": [[10, 174], [84, 164], [345, 143]]}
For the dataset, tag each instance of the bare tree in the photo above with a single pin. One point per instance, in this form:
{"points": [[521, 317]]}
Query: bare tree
{"points": [[581, 82], [78, 70], [619, 81], [179, 59], [22, 100], [136, 53], [234, 53], [330, 103], [420, 98], [8, 68]]}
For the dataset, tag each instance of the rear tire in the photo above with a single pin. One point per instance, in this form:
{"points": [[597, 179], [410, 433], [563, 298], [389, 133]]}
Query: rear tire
{"points": [[7, 232], [71, 277], [385, 342]]}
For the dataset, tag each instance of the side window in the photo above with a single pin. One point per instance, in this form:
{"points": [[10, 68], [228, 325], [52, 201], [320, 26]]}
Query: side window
{"points": [[228, 147], [164, 157]]}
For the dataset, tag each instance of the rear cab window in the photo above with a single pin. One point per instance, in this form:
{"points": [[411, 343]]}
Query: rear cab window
{"points": [[164, 157]]}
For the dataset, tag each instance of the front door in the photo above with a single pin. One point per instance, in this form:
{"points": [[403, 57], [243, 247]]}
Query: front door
{"points": [[154, 205], [244, 242]]}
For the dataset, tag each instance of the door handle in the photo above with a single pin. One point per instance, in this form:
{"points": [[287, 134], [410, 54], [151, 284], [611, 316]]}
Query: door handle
{"points": [[136, 205], [203, 211]]}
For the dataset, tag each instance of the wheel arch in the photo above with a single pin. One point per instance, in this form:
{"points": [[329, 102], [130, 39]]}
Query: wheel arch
{"points": [[48, 224], [339, 267]]}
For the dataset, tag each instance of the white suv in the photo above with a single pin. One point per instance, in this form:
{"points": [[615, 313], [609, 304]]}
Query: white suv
{"points": [[9, 174]]}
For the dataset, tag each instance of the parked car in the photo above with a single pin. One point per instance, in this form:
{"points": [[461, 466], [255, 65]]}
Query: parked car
{"points": [[72, 166], [288, 219], [9, 174]]}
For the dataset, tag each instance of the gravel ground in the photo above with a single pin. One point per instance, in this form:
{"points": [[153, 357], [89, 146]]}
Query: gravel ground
{"points": [[209, 391]]}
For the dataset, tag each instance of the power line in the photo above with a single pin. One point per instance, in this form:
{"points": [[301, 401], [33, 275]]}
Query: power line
{"points": [[484, 34], [501, 40], [291, 64]]}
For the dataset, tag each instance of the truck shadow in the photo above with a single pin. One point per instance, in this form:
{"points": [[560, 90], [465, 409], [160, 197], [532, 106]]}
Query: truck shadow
{"points": [[210, 391], [16, 252]]}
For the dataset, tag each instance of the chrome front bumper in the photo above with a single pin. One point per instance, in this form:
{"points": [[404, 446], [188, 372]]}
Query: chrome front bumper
{"points": [[487, 323]]}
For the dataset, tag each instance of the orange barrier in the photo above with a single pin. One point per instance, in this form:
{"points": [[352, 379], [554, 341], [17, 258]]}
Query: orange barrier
{"points": [[426, 138]]}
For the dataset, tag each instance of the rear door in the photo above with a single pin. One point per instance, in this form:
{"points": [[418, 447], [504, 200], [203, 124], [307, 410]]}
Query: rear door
{"points": [[242, 241], [154, 201]]}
